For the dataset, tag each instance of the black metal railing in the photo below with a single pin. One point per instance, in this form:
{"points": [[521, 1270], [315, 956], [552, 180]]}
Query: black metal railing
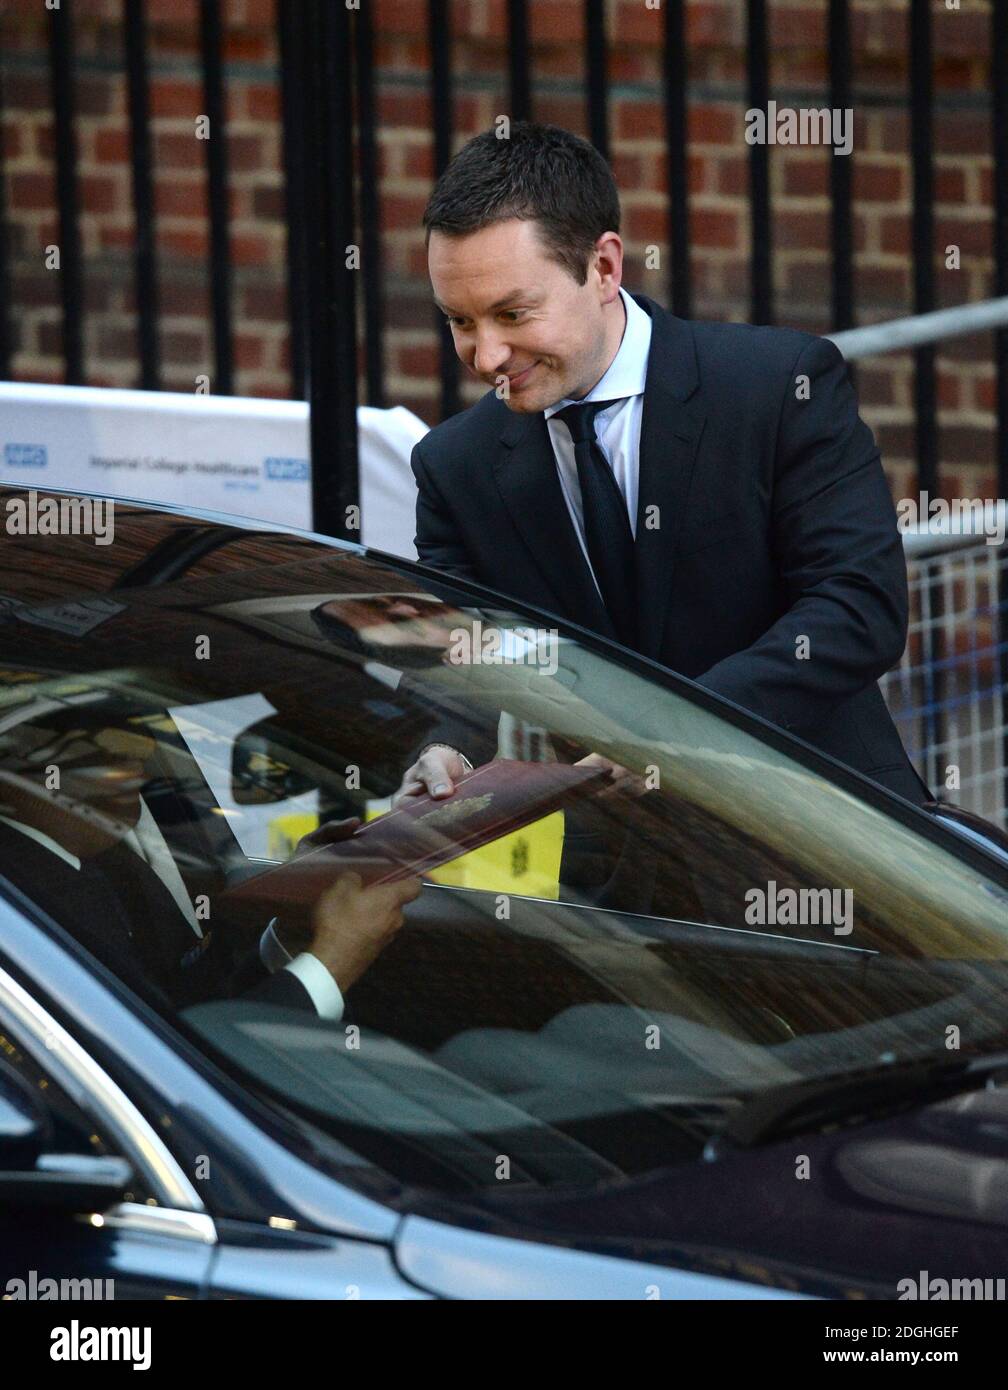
{"points": [[330, 128]]}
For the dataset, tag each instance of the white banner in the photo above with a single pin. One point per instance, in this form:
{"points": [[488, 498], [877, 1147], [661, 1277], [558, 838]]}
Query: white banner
{"points": [[231, 454]]}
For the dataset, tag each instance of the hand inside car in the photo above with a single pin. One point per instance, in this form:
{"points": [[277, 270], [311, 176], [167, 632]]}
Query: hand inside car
{"points": [[622, 782], [437, 771], [352, 925]]}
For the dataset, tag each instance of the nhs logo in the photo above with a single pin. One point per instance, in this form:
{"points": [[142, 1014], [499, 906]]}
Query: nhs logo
{"points": [[288, 470], [25, 456]]}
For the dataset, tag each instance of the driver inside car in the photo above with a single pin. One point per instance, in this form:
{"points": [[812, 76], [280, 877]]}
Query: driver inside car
{"points": [[75, 833]]}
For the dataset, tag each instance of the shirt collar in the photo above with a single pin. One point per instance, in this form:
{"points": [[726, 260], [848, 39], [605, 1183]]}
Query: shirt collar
{"points": [[627, 372]]}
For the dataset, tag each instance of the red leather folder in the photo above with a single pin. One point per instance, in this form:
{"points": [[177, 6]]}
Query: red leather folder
{"points": [[424, 833]]}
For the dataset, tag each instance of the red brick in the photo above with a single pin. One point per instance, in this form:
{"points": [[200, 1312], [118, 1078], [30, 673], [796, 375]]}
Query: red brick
{"points": [[116, 238], [808, 177], [111, 146], [11, 143], [97, 95], [30, 192], [408, 108], [985, 393], [189, 245], [421, 361], [639, 120], [247, 248], [971, 231], [896, 234], [801, 229], [175, 150], [269, 203], [402, 210], [645, 223], [98, 193], [720, 227], [262, 103], [246, 153], [949, 391], [950, 185], [248, 351], [181, 197], [181, 345], [713, 125], [874, 182], [176, 97]]}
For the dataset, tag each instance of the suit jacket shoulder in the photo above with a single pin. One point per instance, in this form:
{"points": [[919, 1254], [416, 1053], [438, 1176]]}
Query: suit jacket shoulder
{"points": [[454, 438]]}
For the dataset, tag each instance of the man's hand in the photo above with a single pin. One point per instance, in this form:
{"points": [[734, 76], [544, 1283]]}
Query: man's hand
{"points": [[329, 834], [622, 782], [352, 925], [437, 771]]}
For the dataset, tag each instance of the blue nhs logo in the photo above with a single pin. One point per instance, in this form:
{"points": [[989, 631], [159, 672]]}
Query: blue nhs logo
{"points": [[288, 470], [25, 456]]}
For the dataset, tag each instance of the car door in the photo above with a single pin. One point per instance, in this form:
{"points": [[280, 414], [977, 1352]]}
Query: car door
{"points": [[143, 1237]]}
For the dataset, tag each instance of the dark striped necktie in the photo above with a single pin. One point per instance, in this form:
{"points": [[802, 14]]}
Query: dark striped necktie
{"points": [[608, 535]]}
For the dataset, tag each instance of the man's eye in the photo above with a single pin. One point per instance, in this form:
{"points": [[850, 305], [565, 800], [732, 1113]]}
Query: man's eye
{"points": [[513, 313]]}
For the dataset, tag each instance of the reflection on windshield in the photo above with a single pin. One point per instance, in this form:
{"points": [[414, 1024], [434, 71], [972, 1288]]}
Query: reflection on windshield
{"points": [[588, 991]]}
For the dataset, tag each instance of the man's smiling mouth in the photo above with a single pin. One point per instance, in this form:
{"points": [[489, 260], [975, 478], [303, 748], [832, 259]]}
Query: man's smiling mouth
{"points": [[520, 378]]}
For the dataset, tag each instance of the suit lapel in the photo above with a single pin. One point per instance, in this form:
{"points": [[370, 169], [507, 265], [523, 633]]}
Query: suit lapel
{"points": [[671, 426], [526, 475]]}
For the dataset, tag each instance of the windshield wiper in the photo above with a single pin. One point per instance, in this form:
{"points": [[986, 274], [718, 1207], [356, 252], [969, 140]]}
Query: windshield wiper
{"points": [[804, 1106]]}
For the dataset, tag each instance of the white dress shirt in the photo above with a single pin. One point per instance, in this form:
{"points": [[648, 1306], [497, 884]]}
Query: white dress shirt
{"points": [[616, 429]]}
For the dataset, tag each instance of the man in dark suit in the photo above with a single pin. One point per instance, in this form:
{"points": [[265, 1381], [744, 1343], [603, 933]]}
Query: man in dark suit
{"points": [[705, 493], [70, 842]]}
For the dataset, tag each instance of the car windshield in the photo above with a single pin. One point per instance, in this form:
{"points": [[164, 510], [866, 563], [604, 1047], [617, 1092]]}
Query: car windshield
{"points": [[590, 982]]}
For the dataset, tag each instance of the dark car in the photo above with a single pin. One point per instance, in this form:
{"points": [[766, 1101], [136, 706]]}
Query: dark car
{"points": [[728, 1022]]}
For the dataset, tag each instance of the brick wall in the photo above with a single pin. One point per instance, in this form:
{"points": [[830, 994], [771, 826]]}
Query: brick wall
{"points": [[718, 180]]}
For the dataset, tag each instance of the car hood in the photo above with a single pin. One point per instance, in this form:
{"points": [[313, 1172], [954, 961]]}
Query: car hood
{"points": [[867, 1211]]}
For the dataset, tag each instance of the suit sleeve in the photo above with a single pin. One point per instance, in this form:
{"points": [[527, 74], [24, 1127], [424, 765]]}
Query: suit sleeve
{"points": [[838, 553], [284, 989], [438, 540]]}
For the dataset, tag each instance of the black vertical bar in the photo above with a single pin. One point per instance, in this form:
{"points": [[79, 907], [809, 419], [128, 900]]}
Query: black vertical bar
{"points": [[519, 88], [595, 46], [759, 166], [293, 76], [999, 86], [370, 216], [332, 315], [71, 280], [441, 101], [135, 26], [999, 89], [6, 343], [933, 646], [840, 168], [676, 143], [923, 239], [220, 259]]}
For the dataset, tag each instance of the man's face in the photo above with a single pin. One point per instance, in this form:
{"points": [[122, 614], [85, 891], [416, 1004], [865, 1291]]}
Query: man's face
{"points": [[101, 773], [517, 313], [398, 625]]}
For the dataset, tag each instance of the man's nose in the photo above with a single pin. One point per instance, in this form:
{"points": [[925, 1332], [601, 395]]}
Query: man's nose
{"points": [[491, 353]]}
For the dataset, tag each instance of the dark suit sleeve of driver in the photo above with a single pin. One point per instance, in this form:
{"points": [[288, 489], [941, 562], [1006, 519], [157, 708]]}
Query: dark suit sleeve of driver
{"points": [[438, 541], [838, 554], [284, 989]]}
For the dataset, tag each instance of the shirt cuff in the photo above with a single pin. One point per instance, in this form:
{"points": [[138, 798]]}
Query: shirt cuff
{"points": [[322, 989]]}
